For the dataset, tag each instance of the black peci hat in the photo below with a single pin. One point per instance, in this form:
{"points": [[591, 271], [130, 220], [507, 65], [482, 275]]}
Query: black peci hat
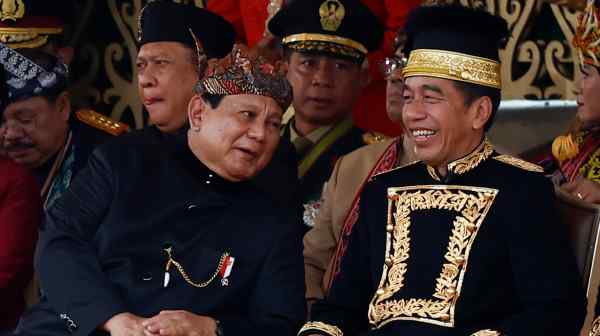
{"points": [[342, 28], [162, 21]]}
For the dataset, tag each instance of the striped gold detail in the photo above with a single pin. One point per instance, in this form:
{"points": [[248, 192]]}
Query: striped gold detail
{"points": [[487, 332], [325, 38], [453, 66], [312, 327], [26, 37]]}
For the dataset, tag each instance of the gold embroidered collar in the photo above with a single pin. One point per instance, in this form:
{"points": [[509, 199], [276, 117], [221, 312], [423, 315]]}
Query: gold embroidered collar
{"points": [[466, 163]]}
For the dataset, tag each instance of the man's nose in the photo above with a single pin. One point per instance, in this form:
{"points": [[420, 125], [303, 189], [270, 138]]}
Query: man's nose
{"points": [[323, 76]]}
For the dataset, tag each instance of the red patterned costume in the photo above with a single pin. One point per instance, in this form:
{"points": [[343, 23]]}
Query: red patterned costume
{"points": [[249, 17]]}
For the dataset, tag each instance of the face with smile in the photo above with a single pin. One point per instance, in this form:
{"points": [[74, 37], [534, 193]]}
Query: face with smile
{"points": [[588, 98], [166, 74], [34, 129], [442, 127], [237, 138], [325, 88]]}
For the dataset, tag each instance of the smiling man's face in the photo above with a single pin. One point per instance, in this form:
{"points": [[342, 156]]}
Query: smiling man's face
{"points": [[436, 117], [167, 74]]}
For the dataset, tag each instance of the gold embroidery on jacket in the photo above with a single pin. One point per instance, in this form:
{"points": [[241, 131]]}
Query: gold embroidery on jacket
{"points": [[514, 161], [591, 169], [322, 327], [595, 329], [467, 163], [472, 205], [487, 332]]}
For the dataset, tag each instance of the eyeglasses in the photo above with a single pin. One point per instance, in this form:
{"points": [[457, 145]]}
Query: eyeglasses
{"points": [[389, 65]]}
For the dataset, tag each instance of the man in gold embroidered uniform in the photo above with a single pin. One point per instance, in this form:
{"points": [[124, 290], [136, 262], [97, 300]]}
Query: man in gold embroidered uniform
{"points": [[326, 242], [464, 241], [325, 55]]}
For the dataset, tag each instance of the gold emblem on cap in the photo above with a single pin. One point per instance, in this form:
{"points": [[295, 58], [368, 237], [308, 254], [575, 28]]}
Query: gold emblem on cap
{"points": [[11, 9], [332, 13]]}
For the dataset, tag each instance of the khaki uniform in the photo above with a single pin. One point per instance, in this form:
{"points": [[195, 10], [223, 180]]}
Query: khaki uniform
{"points": [[350, 174]]}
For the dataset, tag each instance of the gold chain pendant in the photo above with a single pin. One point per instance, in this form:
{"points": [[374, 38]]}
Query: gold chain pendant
{"points": [[184, 274]]}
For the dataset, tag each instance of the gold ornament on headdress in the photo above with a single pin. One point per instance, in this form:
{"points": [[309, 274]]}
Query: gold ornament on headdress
{"points": [[454, 66], [587, 35], [22, 37], [332, 13]]}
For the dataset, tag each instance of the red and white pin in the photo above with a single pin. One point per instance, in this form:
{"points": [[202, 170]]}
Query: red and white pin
{"points": [[225, 270]]}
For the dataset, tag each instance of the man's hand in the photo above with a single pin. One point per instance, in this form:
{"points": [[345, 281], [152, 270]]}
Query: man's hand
{"points": [[180, 323], [124, 324], [583, 189]]}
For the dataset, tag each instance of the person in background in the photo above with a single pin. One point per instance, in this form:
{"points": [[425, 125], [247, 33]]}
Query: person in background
{"points": [[326, 242], [325, 57]]}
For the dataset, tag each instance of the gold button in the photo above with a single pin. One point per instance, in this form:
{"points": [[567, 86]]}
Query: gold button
{"points": [[389, 228], [380, 291], [388, 262]]}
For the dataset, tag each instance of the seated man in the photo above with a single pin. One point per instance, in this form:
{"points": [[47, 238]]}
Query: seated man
{"points": [[170, 238], [464, 241]]}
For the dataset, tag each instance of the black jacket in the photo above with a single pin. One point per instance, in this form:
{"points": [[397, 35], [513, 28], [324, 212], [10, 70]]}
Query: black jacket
{"points": [[480, 249], [101, 250]]}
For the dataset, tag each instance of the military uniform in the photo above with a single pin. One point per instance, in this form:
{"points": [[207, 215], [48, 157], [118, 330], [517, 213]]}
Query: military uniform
{"points": [[308, 27], [480, 249]]}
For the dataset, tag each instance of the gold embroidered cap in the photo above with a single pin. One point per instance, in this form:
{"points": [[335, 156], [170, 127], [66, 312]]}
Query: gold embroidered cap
{"points": [[342, 28], [246, 71], [29, 23], [587, 35], [454, 42]]}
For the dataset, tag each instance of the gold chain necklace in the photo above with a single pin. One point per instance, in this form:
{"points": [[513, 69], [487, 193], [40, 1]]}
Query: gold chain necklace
{"points": [[184, 274]]}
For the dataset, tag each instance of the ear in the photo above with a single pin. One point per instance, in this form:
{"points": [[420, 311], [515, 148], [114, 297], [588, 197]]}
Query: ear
{"points": [[482, 112], [196, 112], [66, 54], [63, 106]]}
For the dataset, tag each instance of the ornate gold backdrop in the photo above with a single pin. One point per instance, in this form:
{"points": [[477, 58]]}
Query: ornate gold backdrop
{"points": [[537, 62]]}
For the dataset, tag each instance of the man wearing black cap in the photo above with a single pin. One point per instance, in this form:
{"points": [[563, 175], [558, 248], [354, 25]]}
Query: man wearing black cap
{"points": [[464, 241], [208, 254], [326, 42], [37, 129], [172, 38]]}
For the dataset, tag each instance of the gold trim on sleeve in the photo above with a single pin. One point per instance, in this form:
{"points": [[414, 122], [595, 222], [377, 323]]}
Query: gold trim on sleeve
{"points": [[472, 205], [453, 66], [322, 327], [325, 38], [514, 161], [595, 329], [487, 332]]}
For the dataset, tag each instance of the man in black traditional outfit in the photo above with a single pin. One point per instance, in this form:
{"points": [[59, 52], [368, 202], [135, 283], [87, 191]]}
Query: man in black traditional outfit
{"points": [[170, 238], [465, 241]]}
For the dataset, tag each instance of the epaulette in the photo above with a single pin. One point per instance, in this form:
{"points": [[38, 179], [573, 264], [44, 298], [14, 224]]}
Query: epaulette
{"points": [[101, 122], [396, 168], [514, 161], [374, 137]]}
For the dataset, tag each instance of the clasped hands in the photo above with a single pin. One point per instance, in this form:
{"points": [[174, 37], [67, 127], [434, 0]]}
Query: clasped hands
{"points": [[166, 323]]}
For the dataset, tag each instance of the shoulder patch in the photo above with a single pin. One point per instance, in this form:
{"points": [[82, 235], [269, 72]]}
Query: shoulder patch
{"points": [[374, 137], [408, 164], [514, 161], [101, 122]]}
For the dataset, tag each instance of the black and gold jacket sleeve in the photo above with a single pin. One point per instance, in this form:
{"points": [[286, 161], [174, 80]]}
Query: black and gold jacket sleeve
{"points": [[479, 252]]}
